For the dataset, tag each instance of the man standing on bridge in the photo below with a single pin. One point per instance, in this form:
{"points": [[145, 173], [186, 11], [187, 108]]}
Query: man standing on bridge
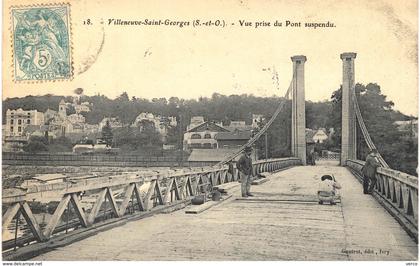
{"points": [[369, 171], [244, 166]]}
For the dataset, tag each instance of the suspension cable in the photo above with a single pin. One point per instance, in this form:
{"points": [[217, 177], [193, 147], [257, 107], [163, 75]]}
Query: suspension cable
{"points": [[262, 131], [364, 130]]}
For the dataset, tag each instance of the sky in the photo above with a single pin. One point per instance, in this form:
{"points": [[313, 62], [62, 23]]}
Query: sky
{"points": [[189, 62]]}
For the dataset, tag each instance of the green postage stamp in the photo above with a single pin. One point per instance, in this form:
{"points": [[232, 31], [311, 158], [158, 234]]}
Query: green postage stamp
{"points": [[41, 42]]}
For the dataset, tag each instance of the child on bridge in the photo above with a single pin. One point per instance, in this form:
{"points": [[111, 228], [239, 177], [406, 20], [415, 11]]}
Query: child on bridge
{"points": [[327, 189]]}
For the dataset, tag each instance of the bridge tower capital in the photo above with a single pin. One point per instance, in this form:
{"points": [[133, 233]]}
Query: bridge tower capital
{"points": [[300, 58], [344, 56]]}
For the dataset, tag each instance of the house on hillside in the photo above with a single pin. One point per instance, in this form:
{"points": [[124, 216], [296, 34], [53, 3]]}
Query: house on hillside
{"points": [[212, 142], [320, 135], [76, 118], [160, 123], [61, 124], [202, 136], [80, 106], [316, 135], [83, 107]]}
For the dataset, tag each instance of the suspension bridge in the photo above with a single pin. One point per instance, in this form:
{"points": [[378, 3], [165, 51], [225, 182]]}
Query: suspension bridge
{"points": [[134, 216]]}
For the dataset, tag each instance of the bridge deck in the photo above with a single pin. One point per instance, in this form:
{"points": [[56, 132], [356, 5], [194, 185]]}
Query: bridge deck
{"points": [[283, 222]]}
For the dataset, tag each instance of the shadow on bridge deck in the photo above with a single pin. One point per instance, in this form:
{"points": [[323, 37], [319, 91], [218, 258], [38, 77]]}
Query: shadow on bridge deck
{"points": [[282, 222]]}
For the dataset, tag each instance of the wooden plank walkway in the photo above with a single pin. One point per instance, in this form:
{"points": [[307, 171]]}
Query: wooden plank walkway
{"points": [[282, 222]]}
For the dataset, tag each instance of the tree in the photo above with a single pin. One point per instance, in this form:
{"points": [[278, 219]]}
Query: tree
{"points": [[70, 110], [334, 116], [316, 114], [279, 133], [60, 144], [377, 112], [78, 91], [123, 97], [173, 135], [148, 136], [107, 134], [260, 144], [379, 117], [36, 144], [137, 138]]}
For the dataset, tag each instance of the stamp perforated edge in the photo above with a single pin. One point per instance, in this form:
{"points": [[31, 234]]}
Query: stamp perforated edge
{"points": [[70, 25]]}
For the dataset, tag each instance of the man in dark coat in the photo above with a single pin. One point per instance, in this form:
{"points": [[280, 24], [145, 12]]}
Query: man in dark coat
{"points": [[244, 166], [369, 171]]}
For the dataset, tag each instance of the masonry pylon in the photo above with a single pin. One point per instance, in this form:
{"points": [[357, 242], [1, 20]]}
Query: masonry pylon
{"points": [[348, 117], [298, 108]]}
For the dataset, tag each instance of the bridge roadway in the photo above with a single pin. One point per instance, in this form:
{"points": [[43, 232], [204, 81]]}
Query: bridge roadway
{"points": [[282, 222]]}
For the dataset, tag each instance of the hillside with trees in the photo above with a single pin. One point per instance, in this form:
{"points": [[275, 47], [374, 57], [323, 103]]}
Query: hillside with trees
{"points": [[377, 111]]}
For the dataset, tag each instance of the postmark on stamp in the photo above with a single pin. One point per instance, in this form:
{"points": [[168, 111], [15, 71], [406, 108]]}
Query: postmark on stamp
{"points": [[41, 43]]}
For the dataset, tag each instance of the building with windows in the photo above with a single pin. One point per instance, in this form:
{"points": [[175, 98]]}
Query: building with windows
{"points": [[17, 120], [202, 136], [76, 119], [62, 124], [316, 135], [146, 117], [83, 107], [320, 135]]}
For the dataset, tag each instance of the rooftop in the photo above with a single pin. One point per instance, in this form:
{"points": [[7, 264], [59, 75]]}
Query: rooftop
{"points": [[236, 135]]}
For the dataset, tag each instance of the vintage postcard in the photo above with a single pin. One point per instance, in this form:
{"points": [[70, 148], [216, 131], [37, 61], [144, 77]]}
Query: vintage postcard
{"points": [[238, 130]]}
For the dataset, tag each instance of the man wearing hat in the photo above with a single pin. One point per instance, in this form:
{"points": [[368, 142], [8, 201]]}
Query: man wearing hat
{"points": [[244, 166], [369, 171]]}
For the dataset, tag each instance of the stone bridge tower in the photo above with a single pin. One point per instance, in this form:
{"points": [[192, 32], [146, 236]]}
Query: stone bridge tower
{"points": [[348, 116], [298, 108]]}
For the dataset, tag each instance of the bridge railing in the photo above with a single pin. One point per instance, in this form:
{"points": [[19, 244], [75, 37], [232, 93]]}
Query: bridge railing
{"points": [[52, 209], [328, 157], [397, 192]]}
